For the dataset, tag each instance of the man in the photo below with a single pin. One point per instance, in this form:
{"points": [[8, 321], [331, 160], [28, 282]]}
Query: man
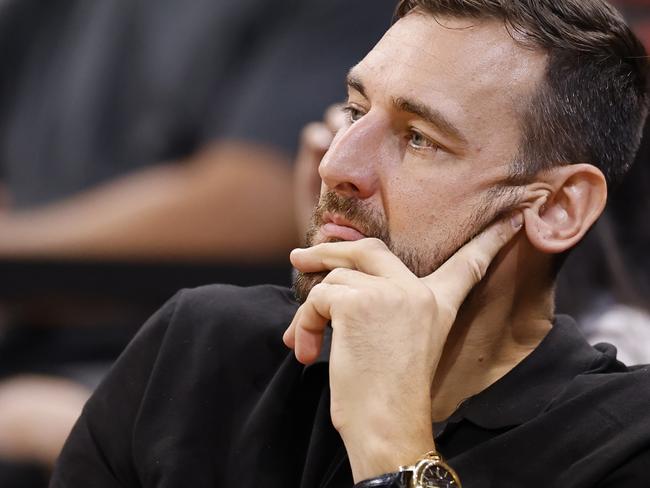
{"points": [[496, 119]]}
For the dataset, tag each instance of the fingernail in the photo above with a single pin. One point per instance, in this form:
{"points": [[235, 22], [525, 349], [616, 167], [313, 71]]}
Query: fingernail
{"points": [[517, 220]]}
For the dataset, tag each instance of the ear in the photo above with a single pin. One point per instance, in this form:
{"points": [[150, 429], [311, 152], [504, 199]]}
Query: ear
{"points": [[562, 205]]}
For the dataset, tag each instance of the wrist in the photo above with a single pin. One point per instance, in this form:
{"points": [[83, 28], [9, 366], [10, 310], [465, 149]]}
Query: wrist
{"points": [[371, 455], [428, 471], [383, 434]]}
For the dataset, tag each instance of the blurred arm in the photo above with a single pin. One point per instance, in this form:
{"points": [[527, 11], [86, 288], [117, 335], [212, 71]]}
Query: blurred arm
{"points": [[4, 197], [229, 201], [315, 140]]}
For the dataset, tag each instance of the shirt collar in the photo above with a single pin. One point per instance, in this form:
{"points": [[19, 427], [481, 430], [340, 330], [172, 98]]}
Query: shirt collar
{"points": [[530, 387]]}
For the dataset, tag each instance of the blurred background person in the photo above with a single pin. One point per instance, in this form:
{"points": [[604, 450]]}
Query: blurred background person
{"points": [[136, 131]]}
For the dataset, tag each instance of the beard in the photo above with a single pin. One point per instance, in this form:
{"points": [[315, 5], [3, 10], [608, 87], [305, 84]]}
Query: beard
{"points": [[500, 201], [371, 224]]}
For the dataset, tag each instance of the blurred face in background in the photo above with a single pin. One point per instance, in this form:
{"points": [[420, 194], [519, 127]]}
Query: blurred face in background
{"points": [[433, 127]]}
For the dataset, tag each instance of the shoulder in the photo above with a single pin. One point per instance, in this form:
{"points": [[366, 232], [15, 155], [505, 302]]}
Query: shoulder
{"points": [[212, 327], [212, 304], [632, 473], [593, 372], [224, 314], [609, 418], [608, 378], [608, 390], [194, 371]]}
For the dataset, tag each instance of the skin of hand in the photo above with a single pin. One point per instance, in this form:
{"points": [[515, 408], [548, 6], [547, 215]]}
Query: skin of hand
{"points": [[389, 332], [315, 140], [36, 416]]}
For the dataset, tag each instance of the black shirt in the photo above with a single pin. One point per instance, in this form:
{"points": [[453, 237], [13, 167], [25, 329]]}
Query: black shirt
{"points": [[207, 395]]}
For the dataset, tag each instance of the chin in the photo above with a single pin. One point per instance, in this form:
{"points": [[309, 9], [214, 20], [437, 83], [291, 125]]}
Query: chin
{"points": [[304, 282]]}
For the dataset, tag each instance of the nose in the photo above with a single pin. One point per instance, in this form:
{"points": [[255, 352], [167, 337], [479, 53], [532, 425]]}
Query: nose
{"points": [[351, 166]]}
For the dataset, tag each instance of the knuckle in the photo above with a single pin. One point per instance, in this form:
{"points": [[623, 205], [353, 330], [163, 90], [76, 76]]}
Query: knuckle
{"points": [[335, 275], [376, 295], [423, 301], [447, 312], [478, 267], [392, 298], [311, 135], [333, 110], [374, 244], [307, 131], [319, 249], [335, 116], [425, 296], [502, 235], [317, 291], [337, 415]]}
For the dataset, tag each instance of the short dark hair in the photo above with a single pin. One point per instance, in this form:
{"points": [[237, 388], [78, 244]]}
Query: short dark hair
{"points": [[593, 102]]}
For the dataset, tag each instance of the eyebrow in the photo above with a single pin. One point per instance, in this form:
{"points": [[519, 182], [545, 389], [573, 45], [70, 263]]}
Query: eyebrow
{"points": [[353, 82], [430, 115]]}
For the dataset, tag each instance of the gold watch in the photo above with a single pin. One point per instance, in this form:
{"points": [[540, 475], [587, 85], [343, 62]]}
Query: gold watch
{"points": [[430, 471]]}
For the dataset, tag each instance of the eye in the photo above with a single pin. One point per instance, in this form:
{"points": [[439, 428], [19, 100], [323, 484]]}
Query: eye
{"points": [[353, 113], [421, 142]]}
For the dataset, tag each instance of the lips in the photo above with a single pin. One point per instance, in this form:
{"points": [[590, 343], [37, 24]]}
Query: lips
{"points": [[337, 227], [341, 232]]}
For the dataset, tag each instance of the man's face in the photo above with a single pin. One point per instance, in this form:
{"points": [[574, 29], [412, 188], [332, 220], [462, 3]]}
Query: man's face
{"points": [[434, 125]]}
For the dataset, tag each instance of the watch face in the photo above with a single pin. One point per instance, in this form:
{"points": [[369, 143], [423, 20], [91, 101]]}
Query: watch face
{"points": [[436, 476]]}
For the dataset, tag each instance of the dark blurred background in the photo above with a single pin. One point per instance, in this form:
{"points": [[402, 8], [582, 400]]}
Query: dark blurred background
{"points": [[605, 283]]}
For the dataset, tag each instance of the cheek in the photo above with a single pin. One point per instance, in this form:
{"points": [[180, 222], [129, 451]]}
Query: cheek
{"points": [[433, 214], [421, 211]]}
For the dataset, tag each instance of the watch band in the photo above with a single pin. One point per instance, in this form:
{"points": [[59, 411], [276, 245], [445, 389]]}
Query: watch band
{"points": [[389, 480], [430, 470]]}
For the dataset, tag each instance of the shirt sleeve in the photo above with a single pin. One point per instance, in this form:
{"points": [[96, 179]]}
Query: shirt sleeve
{"points": [[98, 450], [299, 69]]}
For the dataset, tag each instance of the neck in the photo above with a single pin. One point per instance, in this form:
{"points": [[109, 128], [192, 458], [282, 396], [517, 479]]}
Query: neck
{"points": [[502, 321]]}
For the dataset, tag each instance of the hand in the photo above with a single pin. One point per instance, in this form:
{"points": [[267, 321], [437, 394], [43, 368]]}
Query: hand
{"points": [[389, 331], [36, 416], [314, 143]]}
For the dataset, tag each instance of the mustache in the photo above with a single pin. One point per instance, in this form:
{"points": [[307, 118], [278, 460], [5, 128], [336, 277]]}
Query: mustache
{"points": [[369, 222]]}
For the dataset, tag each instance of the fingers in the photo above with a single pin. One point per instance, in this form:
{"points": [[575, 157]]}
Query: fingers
{"points": [[309, 332], [370, 256], [316, 137], [335, 118], [305, 333], [365, 262], [452, 282], [315, 140]]}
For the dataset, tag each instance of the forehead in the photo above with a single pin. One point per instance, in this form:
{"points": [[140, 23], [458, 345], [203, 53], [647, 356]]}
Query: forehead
{"points": [[471, 69]]}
